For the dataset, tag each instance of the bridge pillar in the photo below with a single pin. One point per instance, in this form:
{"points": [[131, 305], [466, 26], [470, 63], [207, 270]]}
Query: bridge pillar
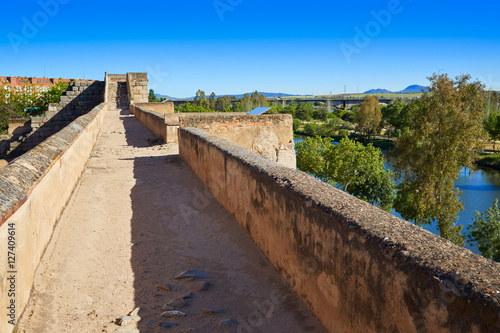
{"points": [[329, 105]]}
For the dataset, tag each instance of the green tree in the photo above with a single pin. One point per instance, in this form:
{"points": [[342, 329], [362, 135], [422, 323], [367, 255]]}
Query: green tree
{"points": [[186, 107], [445, 135], [304, 110], [291, 109], [212, 100], [391, 113], [491, 124], [330, 127], [368, 116], [53, 95], [238, 107], [485, 232], [296, 124], [320, 114], [311, 129], [152, 97], [201, 100], [222, 103], [310, 156], [263, 100], [492, 102], [348, 116], [350, 166], [7, 111]]}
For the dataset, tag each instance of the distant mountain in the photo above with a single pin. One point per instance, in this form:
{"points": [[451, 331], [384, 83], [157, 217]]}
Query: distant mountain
{"points": [[162, 96], [377, 91], [415, 88]]}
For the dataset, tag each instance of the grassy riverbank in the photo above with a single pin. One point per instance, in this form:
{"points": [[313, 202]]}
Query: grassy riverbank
{"points": [[490, 161]]}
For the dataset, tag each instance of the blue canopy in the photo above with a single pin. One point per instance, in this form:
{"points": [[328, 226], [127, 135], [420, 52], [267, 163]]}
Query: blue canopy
{"points": [[260, 110]]}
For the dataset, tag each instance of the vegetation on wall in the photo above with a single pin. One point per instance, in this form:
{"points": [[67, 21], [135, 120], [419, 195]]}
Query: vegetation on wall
{"points": [[27, 102]]}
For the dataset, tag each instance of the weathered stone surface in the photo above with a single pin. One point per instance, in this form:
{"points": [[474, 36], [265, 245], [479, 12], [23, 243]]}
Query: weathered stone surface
{"points": [[126, 330], [192, 273], [167, 287], [176, 304], [228, 323], [173, 313], [188, 295], [165, 324], [200, 285], [211, 311], [127, 320]]}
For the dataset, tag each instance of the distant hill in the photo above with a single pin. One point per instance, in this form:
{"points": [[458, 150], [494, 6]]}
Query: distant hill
{"points": [[377, 91], [415, 88]]}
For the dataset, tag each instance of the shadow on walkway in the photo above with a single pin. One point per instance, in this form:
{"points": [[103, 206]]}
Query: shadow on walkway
{"points": [[176, 226]]}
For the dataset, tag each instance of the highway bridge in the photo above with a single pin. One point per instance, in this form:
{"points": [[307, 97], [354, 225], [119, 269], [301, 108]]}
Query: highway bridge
{"points": [[339, 103]]}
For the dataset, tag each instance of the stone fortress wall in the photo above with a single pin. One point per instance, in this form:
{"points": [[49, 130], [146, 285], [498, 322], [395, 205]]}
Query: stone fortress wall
{"points": [[355, 266]]}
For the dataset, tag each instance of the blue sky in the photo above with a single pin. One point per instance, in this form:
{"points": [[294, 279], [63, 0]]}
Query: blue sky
{"points": [[236, 46]]}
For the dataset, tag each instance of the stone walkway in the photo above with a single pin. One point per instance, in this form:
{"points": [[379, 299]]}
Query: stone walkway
{"points": [[138, 218]]}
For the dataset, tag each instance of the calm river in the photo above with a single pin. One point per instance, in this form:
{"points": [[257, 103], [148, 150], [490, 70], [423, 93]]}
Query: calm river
{"points": [[479, 193]]}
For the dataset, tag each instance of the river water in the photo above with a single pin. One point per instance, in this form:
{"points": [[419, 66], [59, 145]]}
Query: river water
{"points": [[479, 192]]}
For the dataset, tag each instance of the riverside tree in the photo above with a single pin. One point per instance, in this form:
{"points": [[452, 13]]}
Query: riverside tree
{"points": [[349, 166], [491, 124], [368, 116], [485, 232], [446, 132]]}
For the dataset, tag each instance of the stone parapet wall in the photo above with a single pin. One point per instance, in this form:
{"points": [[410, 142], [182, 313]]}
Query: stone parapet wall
{"points": [[153, 120], [35, 190], [173, 121], [163, 107], [269, 135], [18, 126], [358, 268]]}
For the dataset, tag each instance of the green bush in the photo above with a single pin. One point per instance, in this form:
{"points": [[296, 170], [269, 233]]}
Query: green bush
{"points": [[296, 124]]}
